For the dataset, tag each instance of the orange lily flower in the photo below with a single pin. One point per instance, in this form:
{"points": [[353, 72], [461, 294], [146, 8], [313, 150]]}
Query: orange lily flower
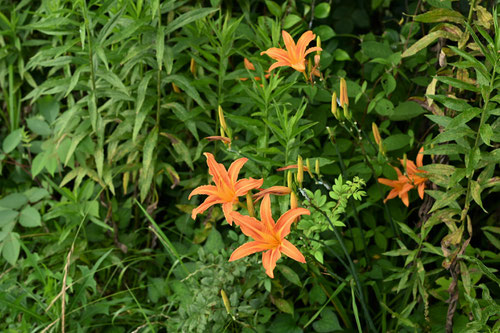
{"points": [[406, 182], [276, 190], [400, 187], [269, 237], [294, 55], [412, 172], [227, 188]]}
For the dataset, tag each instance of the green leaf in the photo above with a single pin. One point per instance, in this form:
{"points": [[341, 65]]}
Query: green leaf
{"points": [[36, 194], [49, 108], [476, 193], [38, 163], [444, 199], [424, 42], [388, 83], [12, 141], [373, 49], [214, 242], [188, 17], [290, 275], [7, 216], [146, 174], [452, 103], [440, 15], [405, 111], [457, 83], [14, 201], [160, 47], [396, 141], [471, 160], [30, 217], [274, 8], [325, 32], [322, 10], [11, 247], [486, 133], [284, 305], [38, 126], [185, 84], [328, 323]]}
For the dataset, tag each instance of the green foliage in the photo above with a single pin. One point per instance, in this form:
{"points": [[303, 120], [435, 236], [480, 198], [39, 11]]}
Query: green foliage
{"points": [[104, 109]]}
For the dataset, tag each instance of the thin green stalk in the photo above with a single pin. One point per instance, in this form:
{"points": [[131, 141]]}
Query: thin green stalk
{"points": [[356, 218], [12, 105], [351, 264], [476, 143], [158, 75]]}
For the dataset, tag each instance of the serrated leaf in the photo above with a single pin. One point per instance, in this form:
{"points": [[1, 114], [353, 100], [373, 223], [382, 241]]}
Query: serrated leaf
{"points": [[30, 217]]}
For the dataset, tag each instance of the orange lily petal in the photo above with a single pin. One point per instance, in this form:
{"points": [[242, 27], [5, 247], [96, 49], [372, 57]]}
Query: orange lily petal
{"points": [[277, 54], [404, 198], [248, 64], [217, 170], [204, 189], [421, 189], [244, 185], [276, 190], [283, 224], [245, 250], [313, 49], [209, 201], [269, 259], [235, 167], [289, 43], [265, 213], [250, 226], [218, 138], [304, 40], [420, 157], [291, 251], [227, 208], [294, 166], [279, 64]]}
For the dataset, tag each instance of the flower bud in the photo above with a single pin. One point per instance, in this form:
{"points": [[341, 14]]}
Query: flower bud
{"points": [[300, 171], [192, 67], [222, 120], [250, 207], [225, 300], [289, 179], [308, 164], [335, 110], [344, 99], [376, 134], [316, 167], [318, 44], [293, 200], [176, 89]]}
